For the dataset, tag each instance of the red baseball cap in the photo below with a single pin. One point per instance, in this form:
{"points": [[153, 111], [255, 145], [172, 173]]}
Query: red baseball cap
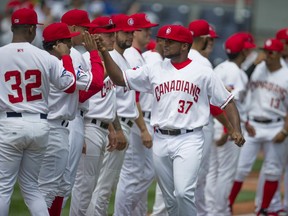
{"points": [[142, 21], [57, 31], [24, 16], [212, 32], [236, 43], [177, 33], [124, 23], [104, 25], [273, 44], [161, 31], [199, 28], [282, 34], [77, 17], [248, 38]]}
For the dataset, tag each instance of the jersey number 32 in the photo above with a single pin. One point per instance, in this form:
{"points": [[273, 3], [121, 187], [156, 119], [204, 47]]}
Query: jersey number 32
{"points": [[16, 75]]}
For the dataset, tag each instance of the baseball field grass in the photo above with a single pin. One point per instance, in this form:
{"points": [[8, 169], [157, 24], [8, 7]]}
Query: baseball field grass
{"points": [[18, 207]]}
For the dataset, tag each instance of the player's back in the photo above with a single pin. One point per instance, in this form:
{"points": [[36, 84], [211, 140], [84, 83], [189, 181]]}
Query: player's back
{"points": [[25, 78]]}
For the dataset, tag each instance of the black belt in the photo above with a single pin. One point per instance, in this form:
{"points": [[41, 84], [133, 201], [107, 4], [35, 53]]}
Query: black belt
{"points": [[65, 123], [19, 115], [266, 121], [81, 113], [100, 123], [127, 121], [173, 132], [146, 115]]}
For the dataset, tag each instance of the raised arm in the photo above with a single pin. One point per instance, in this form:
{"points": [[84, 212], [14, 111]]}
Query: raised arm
{"points": [[114, 72]]}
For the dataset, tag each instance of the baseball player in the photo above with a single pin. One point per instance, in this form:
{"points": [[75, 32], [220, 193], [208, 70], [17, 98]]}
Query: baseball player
{"points": [[98, 119], [89, 81], [267, 113], [181, 90], [26, 73], [200, 30], [56, 155], [224, 156], [151, 57], [137, 172], [276, 206], [126, 111]]}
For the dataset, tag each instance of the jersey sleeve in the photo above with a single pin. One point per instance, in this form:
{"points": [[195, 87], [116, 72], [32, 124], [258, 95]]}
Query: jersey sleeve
{"points": [[220, 96], [60, 77], [138, 79], [215, 111]]}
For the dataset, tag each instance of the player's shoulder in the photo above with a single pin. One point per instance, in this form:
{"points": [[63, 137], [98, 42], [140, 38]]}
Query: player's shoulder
{"points": [[226, 66], [75, 54]]}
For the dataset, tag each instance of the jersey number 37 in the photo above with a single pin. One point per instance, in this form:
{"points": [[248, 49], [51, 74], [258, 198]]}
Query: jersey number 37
{"points": [[16, 75]]}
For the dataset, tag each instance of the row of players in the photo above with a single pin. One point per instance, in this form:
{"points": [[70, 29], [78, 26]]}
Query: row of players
{"points": [[78, 133]]}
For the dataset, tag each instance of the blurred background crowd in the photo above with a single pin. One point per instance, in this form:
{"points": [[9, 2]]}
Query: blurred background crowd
{"points": [[260, 17]]}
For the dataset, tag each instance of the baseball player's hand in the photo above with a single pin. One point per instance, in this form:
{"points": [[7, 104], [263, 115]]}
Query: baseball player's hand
{"points": [[222, 140], [99, 41], [121, 140], [279, 138], [250, 129], [238, 138], [146, 139], [112, 141], [89, 42], [260, 57], [62, 49]]}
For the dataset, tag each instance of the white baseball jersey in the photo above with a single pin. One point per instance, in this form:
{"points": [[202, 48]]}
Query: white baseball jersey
{"points": [[270, 92], [152, 57], [63, 106], [180, 96], [236, 79], [135, 59], [102, 105], [283, 62], [84, 76], [196, 56], [25, 79], [126, 102]]}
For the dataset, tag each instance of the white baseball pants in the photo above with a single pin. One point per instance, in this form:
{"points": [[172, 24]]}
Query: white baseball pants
{"points": [[54, 161], [177, 161], [109, 175], [89, 167], [23, 141], [136, 176]]}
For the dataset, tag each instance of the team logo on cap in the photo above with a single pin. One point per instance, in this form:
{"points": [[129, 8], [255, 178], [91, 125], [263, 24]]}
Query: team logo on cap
{"points": [[228, 50], [110, 22], [268, 43], [16, 20], [192, 33], [147, 18], [130, 22], [168, 30]]}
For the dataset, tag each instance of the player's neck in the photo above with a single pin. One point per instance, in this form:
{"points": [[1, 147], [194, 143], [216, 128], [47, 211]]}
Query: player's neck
{"points": [[19, 39], [274, 67], [137, 46], [119, 50]]}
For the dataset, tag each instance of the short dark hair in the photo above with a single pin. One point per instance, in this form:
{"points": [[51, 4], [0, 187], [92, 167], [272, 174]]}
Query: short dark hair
{"points": [[48, 46], [232, 56], [17, 28]]}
